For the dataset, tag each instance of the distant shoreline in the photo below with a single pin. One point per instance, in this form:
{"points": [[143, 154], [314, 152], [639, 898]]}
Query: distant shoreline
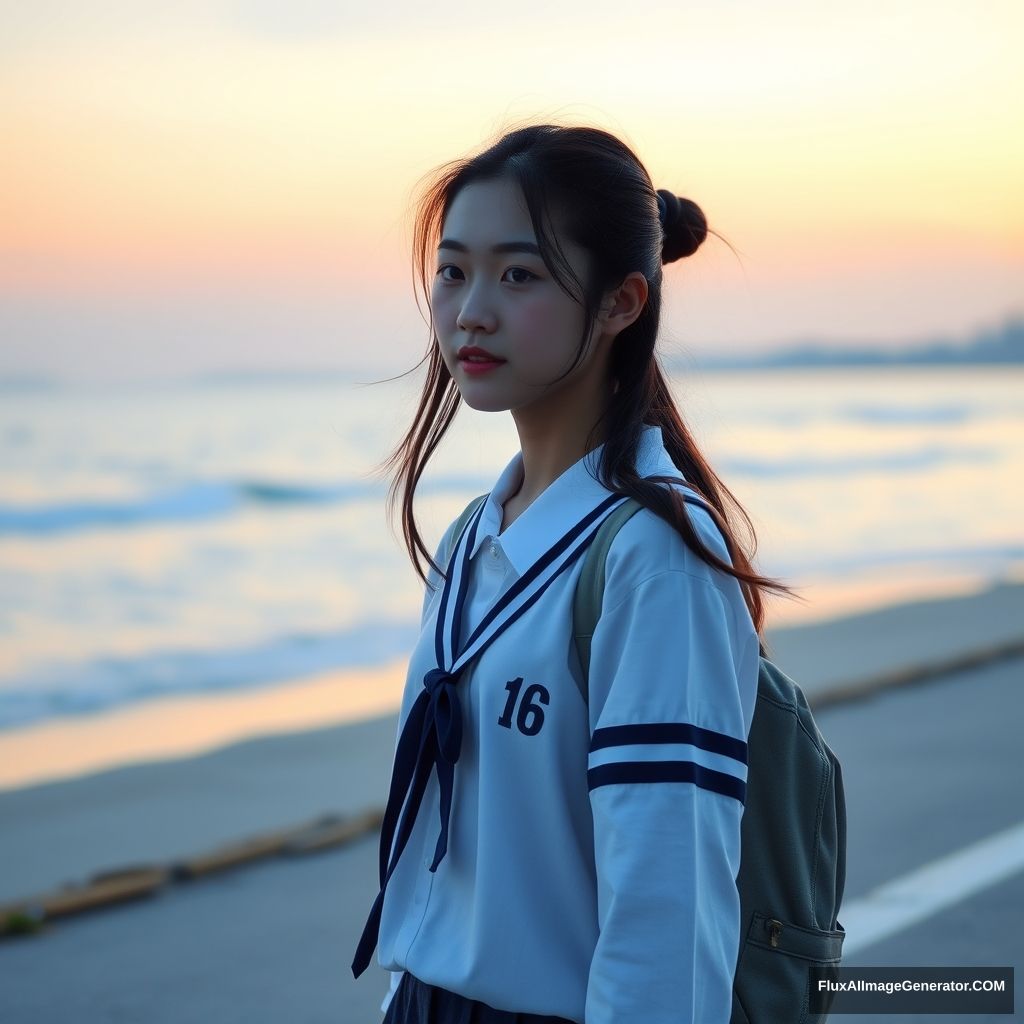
{"points": [[819, 359], [1002, 346], [331, 377]]}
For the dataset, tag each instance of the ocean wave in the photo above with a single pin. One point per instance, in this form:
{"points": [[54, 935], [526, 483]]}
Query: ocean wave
{"points": [[927, 457], [208, 500], [61, 689], [199, 501], [984, 559], [933, 415], [876, 414]]}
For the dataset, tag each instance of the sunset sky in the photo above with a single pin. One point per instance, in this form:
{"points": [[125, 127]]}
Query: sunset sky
{"points": [[212, 185]]}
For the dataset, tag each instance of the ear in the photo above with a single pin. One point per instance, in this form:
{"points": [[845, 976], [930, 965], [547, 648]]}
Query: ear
{"points": [[624, 304]]}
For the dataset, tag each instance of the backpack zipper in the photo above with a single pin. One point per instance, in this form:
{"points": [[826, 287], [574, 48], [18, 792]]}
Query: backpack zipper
{"points": [[774, 931]]}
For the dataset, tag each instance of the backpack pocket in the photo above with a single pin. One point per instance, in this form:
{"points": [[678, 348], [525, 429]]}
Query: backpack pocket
{"points": [[772, 983]]}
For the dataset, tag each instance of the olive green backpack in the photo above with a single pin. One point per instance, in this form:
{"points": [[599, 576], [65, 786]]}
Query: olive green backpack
{"points": [[793, 834]]}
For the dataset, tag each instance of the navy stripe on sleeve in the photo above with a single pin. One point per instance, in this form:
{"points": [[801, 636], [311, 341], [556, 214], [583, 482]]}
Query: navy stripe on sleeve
{"points": [[670, 732], [667, 771]]}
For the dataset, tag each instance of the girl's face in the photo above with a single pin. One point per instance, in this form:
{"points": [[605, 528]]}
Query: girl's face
{"points": [[492, 290]]}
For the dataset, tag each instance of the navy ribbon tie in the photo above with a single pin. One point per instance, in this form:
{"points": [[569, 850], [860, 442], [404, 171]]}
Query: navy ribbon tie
{"points": [[443, 723], [431, 737]]}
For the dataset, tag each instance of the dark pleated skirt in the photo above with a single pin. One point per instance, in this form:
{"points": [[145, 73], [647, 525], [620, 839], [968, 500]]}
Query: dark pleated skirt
{"points": [[416, 1002]]}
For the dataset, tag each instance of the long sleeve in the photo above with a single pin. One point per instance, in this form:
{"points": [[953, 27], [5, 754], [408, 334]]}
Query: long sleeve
{"points": [[672, 683]]}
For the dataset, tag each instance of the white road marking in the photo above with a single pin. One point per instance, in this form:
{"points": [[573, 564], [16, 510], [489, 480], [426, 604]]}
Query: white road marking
{"points": [[904, 901]]}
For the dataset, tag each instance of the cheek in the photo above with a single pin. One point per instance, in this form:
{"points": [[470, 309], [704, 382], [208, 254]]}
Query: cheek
{"points": [[547, 317], [441, 308], [436, 305]]}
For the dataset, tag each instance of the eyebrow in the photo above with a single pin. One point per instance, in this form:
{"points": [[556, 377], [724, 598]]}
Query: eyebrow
{"points": [[501, 247]]}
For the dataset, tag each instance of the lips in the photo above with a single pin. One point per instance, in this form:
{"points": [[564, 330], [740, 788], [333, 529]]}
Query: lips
{"points": [[475, 354]]}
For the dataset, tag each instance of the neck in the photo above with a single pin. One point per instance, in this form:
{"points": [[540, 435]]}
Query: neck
{"points": [[550, 445]]}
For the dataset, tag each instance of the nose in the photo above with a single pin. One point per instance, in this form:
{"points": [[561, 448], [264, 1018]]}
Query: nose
{"points": [[476, 314]]}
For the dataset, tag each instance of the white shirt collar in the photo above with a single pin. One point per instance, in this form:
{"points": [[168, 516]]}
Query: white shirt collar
{"points": [[562, 504]]}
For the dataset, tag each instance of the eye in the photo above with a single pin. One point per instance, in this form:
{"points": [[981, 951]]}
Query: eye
{"points": [[527, 275], [447, 266]]}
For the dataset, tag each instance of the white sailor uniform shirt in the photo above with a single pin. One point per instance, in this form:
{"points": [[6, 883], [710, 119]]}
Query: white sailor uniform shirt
{"points": [[593, 849]]}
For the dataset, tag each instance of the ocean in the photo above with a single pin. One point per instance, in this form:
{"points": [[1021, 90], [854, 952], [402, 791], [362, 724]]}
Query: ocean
{"points": [[227, 534]]}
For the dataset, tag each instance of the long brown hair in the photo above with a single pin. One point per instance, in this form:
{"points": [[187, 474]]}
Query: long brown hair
{"points": [[611, 208]]}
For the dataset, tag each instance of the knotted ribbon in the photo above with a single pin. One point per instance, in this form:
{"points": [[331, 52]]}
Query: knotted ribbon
{"points": [[437, 714]]}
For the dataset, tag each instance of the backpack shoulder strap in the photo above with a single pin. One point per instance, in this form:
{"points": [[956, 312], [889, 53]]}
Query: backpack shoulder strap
{"points": [[460, 524], [590, 588], [586, 608]]}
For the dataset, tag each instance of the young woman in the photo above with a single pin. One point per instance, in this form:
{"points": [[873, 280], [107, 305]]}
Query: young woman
{"points": [[545, 857]]}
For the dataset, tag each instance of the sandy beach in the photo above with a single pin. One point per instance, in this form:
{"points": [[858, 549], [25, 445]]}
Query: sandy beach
{"points": [[172, 778], [248, 944]]}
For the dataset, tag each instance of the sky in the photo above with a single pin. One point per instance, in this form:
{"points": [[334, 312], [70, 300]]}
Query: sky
{"points": [[209, 186]]}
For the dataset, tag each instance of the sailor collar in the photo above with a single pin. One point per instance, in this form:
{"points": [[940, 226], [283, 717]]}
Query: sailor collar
{"points": [[562, 503]]}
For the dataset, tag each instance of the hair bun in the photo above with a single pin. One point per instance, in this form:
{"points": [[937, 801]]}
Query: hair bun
{"points": [[683, 225]]}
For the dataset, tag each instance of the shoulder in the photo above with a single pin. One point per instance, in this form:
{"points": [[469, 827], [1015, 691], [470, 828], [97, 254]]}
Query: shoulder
{"points": [[646, 545], [648, 550]]}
